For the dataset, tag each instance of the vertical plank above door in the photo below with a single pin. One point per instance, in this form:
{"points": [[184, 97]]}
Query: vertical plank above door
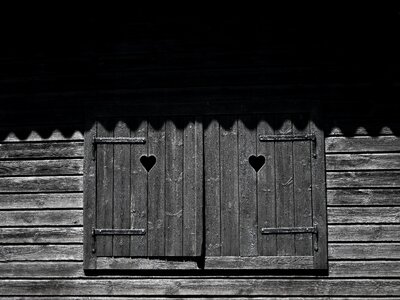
{"points": [[192, 234], [247, 147], [230, 244], [139, 194], [156, 188], [284, 186], [104, 187], [266, 187], [212, 186], [121, 190], [173, 187], [302, 185]]}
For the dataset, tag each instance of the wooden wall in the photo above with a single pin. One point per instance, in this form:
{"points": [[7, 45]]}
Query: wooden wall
{"points": [[46, 95]]}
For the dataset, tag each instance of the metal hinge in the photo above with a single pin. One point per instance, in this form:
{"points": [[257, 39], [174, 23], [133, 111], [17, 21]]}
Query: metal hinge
{"points": [[286, 138], [116, 140], [292, 230]]}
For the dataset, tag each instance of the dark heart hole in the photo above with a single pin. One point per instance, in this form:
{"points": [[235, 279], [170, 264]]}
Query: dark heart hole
{"points": [[257, 162], [148, 161]]}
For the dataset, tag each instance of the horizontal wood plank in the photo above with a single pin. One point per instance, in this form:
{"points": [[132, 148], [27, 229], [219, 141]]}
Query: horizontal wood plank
{"points": [[364, 161], [107, 263], [203, 287], [364, 251], [362, 144], [41, 167], [364, 197], [365, 215], [368, 127], [365, 179], [73, 269], [40, 252], [41, 184], [364, 233], [49, 235], [261, 262], [41, 201], [40, 150], [41, 218]]}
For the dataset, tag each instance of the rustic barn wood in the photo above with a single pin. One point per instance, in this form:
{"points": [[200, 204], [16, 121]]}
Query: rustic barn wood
{"points": [[41, 150], [364, 197], [41, 217], [41, 201]]}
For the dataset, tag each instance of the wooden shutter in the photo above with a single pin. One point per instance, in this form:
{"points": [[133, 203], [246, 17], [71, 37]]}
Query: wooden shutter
{"points": [[265, 192], [144, 194]]}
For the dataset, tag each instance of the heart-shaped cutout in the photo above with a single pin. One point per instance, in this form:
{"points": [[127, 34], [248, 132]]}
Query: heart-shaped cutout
{"points": [[257, 162], [148, 162]]}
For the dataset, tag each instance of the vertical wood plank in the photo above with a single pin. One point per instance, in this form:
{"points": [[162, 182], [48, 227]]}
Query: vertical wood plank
{"points": [[247, 129], [156, 188], [284, 186], [89, 197], [319, 194], [212, 187], [173, 187], [266, 188], [121, 190], [192, 188], [302, 185], [138, 243], [105, 184], [229, 186]]}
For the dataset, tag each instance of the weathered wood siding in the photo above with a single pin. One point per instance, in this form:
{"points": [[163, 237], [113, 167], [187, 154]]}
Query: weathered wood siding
{"points": [[44, 96]]}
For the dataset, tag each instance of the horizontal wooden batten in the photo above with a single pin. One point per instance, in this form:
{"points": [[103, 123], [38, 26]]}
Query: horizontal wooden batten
{"points": [[48, 235], [364, 127], [41, 201], [365, 215], [364, 233], [364, 197], [36, 150], [367, 179], [361, 251], [41, 218], [41, 184], [73, 269], [106, 263], [260, 262], [40, 252], [41, 167], [362, 144], [34, 136], [202, 287], [364, 161]]}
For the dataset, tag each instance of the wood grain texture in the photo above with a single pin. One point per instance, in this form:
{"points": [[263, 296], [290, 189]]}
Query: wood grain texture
{"points": [[364, 197], [156, 189], [41, 167], [284, 184], [248, 227], [363, 161], [376, 179], [41, 201], [41, 184], [259, 262], [212, 188], [41, 217], [173, 188], [46, 235], [362, 144], [139, 194], [202, 287], [41, 150], [40, 252], [364, 233], [266, 187], [107, 263], [364, 251], [365, 215], [121, 190], [230, 244]]}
